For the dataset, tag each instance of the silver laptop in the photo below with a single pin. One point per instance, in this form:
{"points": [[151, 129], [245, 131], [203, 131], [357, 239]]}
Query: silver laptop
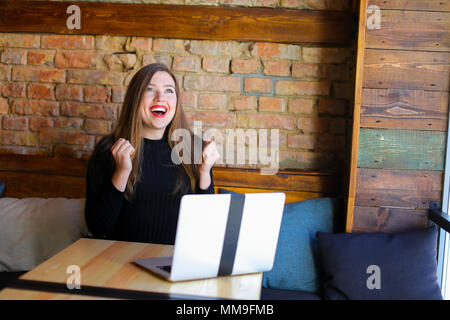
{"points": [[222, 234]]}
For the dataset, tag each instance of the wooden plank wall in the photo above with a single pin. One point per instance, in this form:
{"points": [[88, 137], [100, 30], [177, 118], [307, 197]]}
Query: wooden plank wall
{"points": [[403, 116]]}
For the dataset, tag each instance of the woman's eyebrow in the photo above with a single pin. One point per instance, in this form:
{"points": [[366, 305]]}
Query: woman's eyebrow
{"points": [[164, 85]]}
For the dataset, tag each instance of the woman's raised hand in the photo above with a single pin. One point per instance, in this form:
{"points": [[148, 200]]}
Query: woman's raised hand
{"points": [[122, 152]]}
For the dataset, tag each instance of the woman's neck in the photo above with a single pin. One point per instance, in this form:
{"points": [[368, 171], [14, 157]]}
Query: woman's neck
{"points": [[153, 134]]}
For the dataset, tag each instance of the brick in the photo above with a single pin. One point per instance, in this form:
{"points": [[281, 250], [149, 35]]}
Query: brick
{"points": [[15, 123], [332, 106], [337, 126], [301, 105], [70, 123], [57, 135], [67, 42], [67, 59], [212, 83], [97, 94], [245, 103], [203, 47], [36, 123], [266, 121], [288, 87], [212, 101], [266, 3], [305, 160], [110, 43], [35, 107], [5, 72], [341, 5], [343, 90], [14, 56], [159, 58], [213, 64], [89, 110], [4, 106], [211, 118], [266, 50], [18, 40], [244, 65], [233, 49], [18, 138], [14, 89], [313, 125], [95, 77], [336, 72], [247, 3], [262, 85], [166, 45], [68, 92], [300, 141], [41, 91], [189, 99], [325, 55], [328, 142], [310, 70], [277, 67], [97, 126], [186, 63], [140, 43], [40, 57], [120, 62], [118, 94], [35, 74], [271, 104], [289, 51]]}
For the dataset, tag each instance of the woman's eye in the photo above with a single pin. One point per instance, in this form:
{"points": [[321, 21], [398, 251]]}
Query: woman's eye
{"points": [[149, 90], [169, 91]]}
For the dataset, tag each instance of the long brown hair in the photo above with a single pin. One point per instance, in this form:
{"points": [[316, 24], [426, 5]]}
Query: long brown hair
{"points": [[130, 126]]}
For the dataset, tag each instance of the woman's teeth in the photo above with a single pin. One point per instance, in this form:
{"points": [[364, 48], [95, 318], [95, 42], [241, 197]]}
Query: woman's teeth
{"points": [[158, 111]]}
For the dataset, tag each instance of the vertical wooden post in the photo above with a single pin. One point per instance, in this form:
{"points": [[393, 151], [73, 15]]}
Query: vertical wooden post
{"points": [[356, 114]]}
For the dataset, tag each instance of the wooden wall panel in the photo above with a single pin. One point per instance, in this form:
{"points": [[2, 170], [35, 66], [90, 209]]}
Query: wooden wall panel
{"points": [[411, 30], [382, 219], [402, 123], [425, 5], [409, 189], [406, 70], [404, 109], [401, 149], [180, 21]]}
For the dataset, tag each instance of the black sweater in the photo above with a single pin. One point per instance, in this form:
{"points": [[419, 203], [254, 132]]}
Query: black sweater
{"points": [[152, 214]]}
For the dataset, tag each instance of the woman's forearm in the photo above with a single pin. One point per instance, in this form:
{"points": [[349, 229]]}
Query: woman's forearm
{"points": [[205, 179]]}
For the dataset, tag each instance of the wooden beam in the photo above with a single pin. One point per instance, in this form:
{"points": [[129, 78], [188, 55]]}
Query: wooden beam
{"points": [[180, 21], [356, 115], [404, 109], [411, 30], [401, 69], [407, 189], [401, 149], [425, 5]]}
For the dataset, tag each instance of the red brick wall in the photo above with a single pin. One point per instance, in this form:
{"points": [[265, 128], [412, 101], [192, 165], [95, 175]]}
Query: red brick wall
{"points": [[61, 93]]}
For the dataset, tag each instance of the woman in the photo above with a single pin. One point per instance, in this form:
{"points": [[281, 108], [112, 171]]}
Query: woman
{"points": [[133, 188]]}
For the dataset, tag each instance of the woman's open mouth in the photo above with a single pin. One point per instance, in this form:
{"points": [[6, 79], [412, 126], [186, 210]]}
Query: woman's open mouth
{"points": [[158, 111]]}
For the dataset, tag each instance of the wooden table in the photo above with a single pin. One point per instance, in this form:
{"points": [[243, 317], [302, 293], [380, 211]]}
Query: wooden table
{"points": [[107, 267]]}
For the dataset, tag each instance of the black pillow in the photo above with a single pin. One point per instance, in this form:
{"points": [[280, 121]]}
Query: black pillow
{"points": [[380, 266]]}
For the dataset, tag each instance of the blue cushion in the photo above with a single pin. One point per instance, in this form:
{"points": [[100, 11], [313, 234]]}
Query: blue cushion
{"points": [[295, 265], [382, 266], [2, 188], [277, 294]]}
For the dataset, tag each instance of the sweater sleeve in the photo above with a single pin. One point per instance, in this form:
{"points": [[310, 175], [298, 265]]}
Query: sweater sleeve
{"points": [[103, 201], [209, 190]]}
